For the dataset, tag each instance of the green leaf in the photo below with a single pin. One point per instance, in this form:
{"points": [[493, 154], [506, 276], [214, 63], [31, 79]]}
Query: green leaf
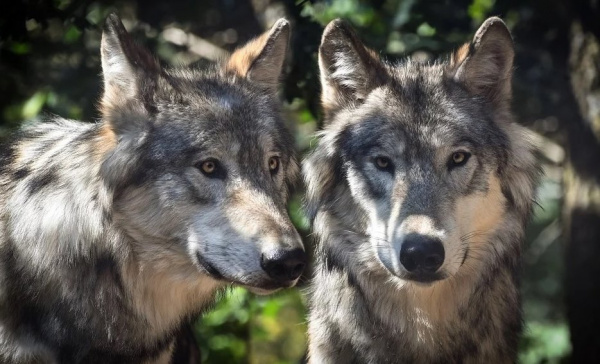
{"points": [[34, 105], [72, 34], [479, 9], [425, 30], [20, 48]]}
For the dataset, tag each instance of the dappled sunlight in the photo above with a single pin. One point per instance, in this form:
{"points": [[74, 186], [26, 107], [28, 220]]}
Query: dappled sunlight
{"points": [[50, 64]]}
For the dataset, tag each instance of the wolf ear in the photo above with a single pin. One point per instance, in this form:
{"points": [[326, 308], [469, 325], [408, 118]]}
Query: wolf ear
{"points": [[130, 75], [349, 70], [261, 60], [485, 65]]}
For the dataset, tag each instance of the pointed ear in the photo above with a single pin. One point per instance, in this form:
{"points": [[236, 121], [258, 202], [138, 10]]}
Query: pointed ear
{"points": [[130, 74], [261, 60], [349, 70], [485, 65]]}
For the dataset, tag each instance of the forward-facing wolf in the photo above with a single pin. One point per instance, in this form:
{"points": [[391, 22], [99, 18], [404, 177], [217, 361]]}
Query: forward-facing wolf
{"points": [[418, 190], [113, 235]]}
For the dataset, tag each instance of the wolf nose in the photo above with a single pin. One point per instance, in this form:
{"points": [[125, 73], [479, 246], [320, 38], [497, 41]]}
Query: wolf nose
{"points": [[284, 265], [420, 253]]}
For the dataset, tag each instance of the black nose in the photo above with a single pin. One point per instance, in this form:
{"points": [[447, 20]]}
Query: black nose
{"points": [[421, 254], [284, 265]]}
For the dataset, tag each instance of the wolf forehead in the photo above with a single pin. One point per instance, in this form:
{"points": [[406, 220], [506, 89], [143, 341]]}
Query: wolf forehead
{"points": [[419, 109], [197, 111]]}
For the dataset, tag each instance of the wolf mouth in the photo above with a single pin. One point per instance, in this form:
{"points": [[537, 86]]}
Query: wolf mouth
{"points": [[210, 269], [425, 278], [264, 288]]}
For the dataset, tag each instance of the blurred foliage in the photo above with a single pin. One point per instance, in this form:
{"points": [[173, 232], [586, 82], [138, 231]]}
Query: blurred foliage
{"points": [[479, 9], [244, 328], [359, 14], [49, 59]]}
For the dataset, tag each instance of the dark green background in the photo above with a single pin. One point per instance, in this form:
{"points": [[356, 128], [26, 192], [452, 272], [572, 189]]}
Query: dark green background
{"points": [[49, 63]]}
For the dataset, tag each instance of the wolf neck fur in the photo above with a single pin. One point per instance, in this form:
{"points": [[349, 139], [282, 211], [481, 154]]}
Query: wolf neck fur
{"points": [[161, 293], [149, 286], [420, 316]]}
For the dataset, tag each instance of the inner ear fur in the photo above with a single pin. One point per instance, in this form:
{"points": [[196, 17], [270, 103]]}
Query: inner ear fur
{"points": [[261, 60], [485, 65], [130, 75], [349, 70]]}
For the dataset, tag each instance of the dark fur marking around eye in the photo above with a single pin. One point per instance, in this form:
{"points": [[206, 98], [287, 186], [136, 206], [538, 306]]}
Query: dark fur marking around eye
{"points": [[357, 141]]}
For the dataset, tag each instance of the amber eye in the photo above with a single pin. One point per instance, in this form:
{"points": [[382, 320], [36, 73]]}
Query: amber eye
{"points": [[209, 167], [274, 164], [212, 168], [383, 162], [459, 158]]}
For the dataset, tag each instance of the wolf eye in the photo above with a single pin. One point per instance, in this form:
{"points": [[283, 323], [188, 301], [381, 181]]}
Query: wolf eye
{"points": [[383, 163], [459, 159], [274, 164], [209, 167]]}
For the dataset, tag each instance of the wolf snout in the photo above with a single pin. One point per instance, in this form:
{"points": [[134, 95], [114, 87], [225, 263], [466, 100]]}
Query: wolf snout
{"points": [[284, 266], [421, 254]]}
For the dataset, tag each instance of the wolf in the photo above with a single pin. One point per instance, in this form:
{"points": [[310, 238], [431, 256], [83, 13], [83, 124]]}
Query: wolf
{"points": [[418, 193], [115, 234]]}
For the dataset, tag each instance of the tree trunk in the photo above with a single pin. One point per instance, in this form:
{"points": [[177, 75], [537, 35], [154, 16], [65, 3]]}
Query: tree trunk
{"points": [[582, 196]]}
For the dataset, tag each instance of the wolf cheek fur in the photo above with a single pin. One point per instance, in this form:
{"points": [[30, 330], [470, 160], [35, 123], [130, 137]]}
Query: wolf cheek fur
{"points": [[418, 192], [113, 235]]}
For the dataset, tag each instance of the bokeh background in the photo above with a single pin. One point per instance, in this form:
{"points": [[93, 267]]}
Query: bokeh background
{"points": [[49, 64]]}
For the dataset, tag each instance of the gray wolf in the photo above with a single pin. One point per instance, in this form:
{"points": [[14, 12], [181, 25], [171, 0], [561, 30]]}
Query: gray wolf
{"points": [[114, 235], [418, 193]]}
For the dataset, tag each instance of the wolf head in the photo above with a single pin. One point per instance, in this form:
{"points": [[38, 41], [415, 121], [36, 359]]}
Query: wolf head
{"points": [[200, 162], [428, 153]]}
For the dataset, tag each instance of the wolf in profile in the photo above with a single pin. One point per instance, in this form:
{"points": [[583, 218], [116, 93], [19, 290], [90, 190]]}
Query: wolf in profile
{"points": [[418, 193], [114, 235]]}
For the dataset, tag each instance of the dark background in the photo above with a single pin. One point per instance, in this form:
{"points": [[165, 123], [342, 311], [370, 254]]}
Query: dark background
{"points": [[49, 63]]}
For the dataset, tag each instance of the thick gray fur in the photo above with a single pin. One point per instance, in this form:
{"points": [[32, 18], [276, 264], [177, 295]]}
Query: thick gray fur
{"points": [[365, 307], [113, 236]]}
